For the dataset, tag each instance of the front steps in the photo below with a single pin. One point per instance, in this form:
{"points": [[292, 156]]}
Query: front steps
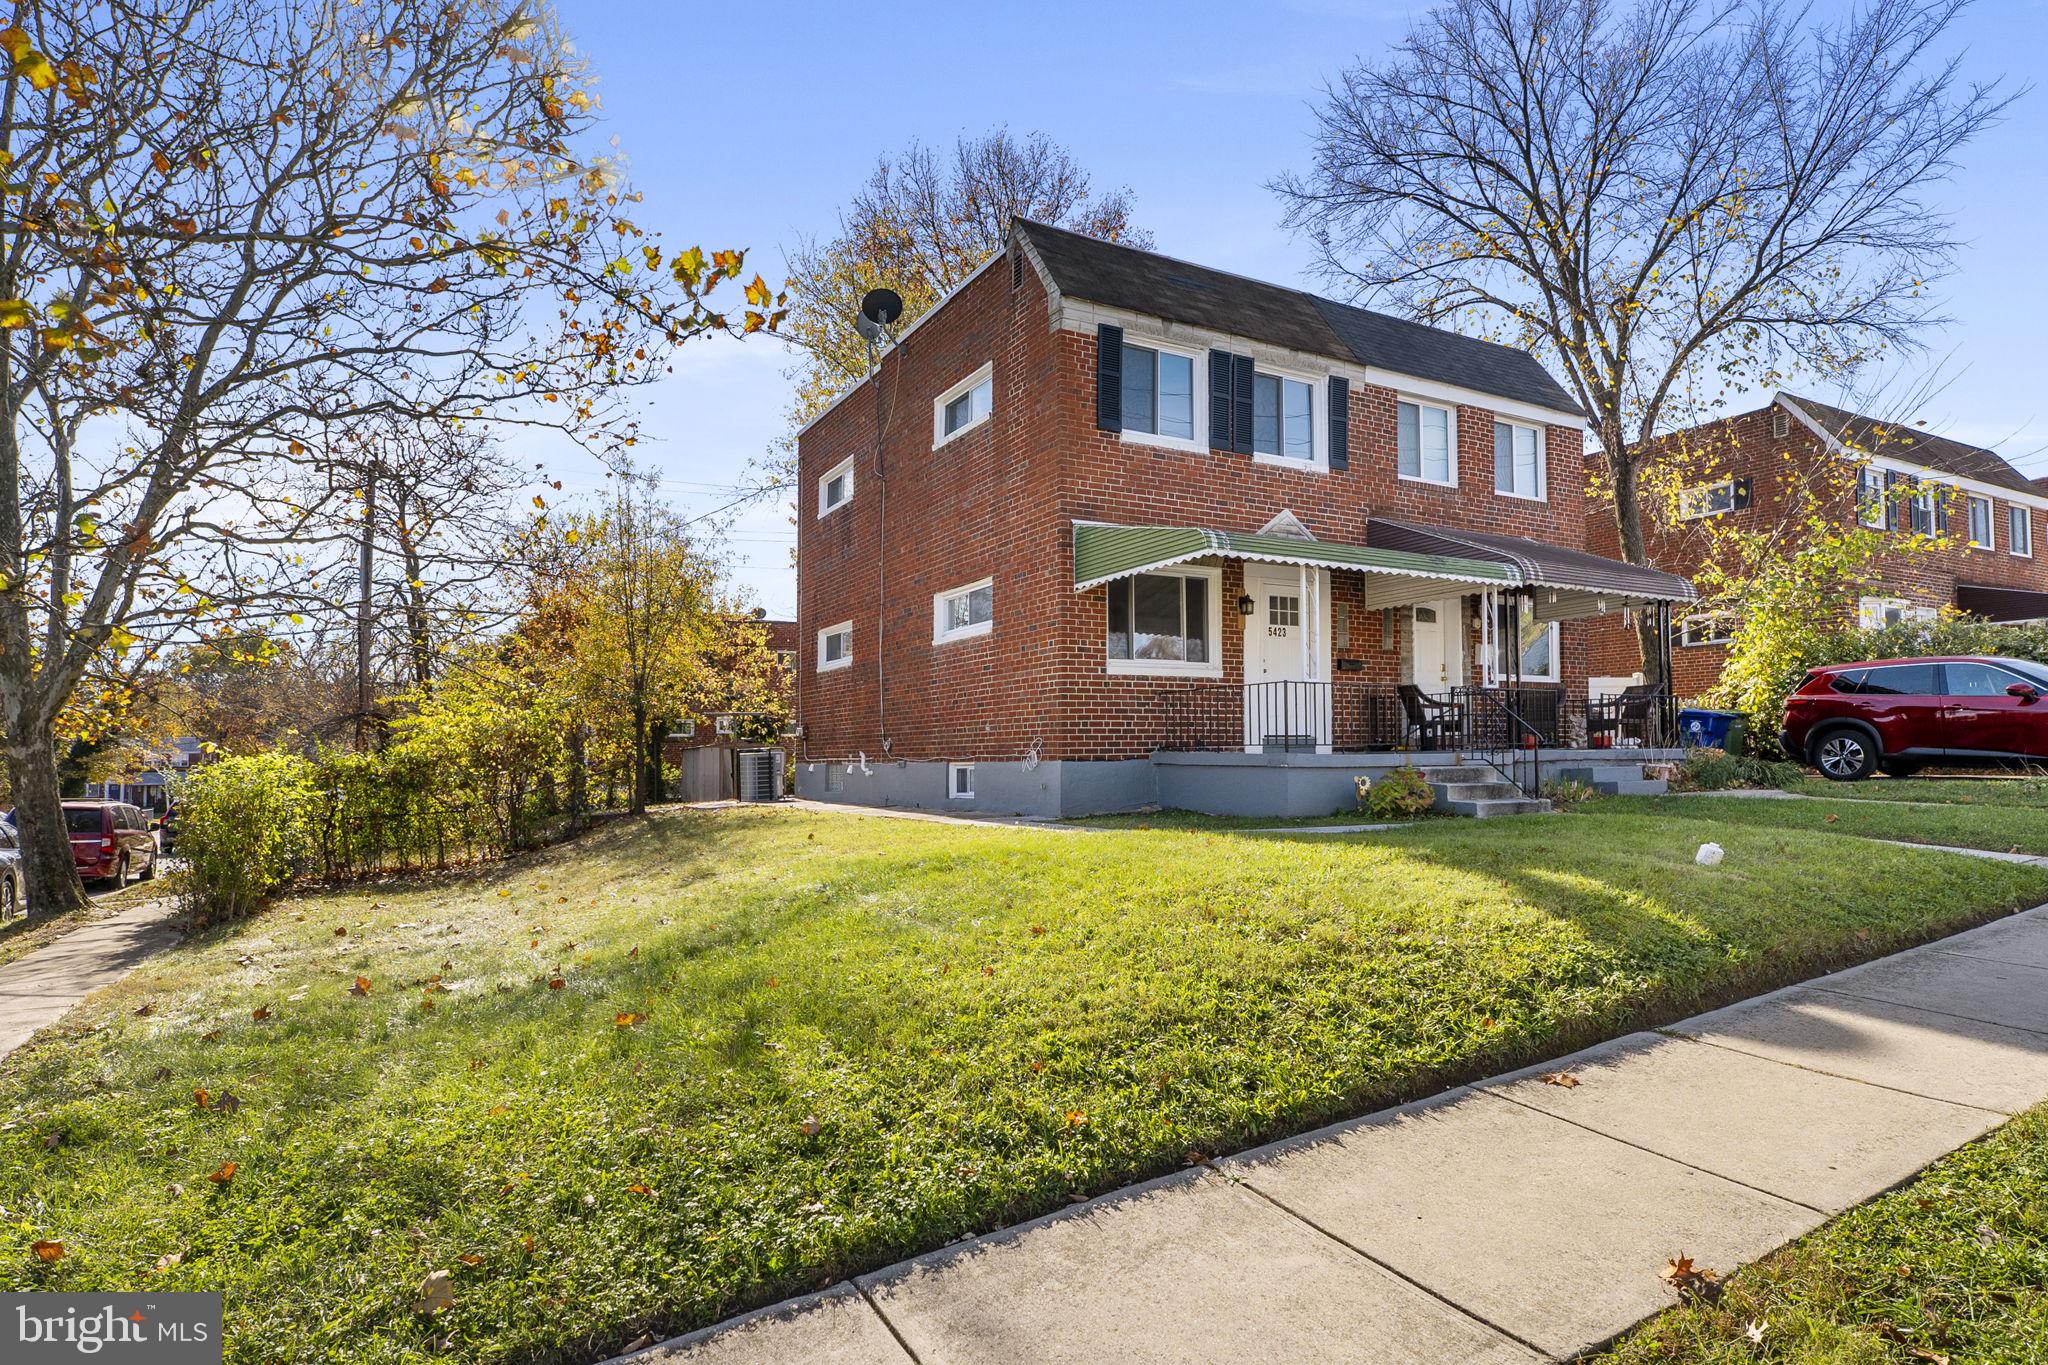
{"points": [[1616, 779], [1475, 789]]}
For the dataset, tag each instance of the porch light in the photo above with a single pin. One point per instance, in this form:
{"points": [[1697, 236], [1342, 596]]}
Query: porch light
{"points": [[1246, 605]]}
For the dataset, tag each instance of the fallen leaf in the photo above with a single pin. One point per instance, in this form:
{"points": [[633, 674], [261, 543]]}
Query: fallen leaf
{"points": [[201, 1098], [639, 1343], [1563, 1078], [53, 1141], [637, 1188], [166, 1262], [634, 951], [260, 1013], [1755, 1331], [437, 1294], [341, 931], [810, 1127], [1931, 1357], [1690, 1281], [362, 986], [224, 1174], [227, 1103], [1037, 929], [144, 1010], [470, 1258], [627, 1020], [1037, 1068], [1076, 1119], [526, 1245], [47, 1251]]}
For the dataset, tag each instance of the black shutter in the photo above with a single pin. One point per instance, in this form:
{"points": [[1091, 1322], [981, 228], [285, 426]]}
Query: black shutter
{"points": [[1220, 409], [1109, 377], [1241, 404], [1894, 509], [1941, 492], [1743, 493], [1340, 422]]}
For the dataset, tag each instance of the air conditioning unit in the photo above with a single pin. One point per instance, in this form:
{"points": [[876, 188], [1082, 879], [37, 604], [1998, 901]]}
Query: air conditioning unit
{"points": [[761, 774]]}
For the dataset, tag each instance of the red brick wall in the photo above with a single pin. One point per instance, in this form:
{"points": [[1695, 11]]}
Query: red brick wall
{"points": [[1001, 500], [1781, 471]]}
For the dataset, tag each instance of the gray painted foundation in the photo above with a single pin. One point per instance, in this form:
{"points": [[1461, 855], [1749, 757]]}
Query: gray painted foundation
{"points": [[1278, 785]]}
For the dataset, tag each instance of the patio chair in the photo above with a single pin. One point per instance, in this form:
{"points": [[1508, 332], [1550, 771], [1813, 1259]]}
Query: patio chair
{"points": [[1433, 723], [1627, 718]]}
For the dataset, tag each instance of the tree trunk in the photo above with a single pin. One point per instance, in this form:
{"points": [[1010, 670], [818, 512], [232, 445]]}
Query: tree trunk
{"points": [[53, 884], [1628, 522], [638, 801], [657, 788], [579, 779]]}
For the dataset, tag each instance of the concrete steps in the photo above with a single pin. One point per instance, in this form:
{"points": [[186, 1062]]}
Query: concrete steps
{"points": [[1476, 790], [1616, 779]]}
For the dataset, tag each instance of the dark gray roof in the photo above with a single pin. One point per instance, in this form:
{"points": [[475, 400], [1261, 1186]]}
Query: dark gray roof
{"points": [[1538, 562], [1877, 438], [1161, 287]]}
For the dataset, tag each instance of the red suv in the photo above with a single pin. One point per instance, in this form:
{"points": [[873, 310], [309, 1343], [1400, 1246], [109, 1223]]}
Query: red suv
{"points": [[1899, 715], [109, 840]]}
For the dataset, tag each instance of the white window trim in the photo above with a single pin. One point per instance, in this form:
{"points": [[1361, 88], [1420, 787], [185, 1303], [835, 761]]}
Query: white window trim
{"points": [[1450, 435], [2026, 520], [1711, 622], [1542, 462], [1869, 619], [953, 771], [845, 467], [1704, 488], [1166, 668], [1552, 676], [845, 660], [1990, 522], [1880, 506], [942, 636], [940, 436], [1318, 422], [1198, 361]]}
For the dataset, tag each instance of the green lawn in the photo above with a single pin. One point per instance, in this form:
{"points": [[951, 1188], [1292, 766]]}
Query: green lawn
{"points": [[785, 1047], [1952, 1267], [2017, 828], [1962, 791]]}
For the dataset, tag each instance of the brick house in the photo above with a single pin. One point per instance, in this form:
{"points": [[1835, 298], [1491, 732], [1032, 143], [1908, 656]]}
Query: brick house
{"points": [[1105, 528], [702, 763], [1756, 467]]}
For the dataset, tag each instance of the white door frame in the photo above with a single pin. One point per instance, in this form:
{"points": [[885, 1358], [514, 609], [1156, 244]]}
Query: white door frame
{"points": [[1448, 669], [1287, 653]]}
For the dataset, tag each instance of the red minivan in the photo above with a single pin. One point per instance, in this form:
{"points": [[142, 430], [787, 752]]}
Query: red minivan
{"points": [[1900, 715], [110, 840]]}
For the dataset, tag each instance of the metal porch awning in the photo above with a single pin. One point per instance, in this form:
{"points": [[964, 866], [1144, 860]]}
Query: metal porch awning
{"points": [[1103, 553], [1567, 583], [2002, 604]]}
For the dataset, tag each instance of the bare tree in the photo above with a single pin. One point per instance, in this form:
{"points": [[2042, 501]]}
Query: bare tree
{"points": [[1667, 199], [234, 225]]}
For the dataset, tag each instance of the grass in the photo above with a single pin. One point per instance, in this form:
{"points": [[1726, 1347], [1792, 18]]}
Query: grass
{"points": [[1952, 1267], [786, 1047], [1961, 791], [2019, 828]]}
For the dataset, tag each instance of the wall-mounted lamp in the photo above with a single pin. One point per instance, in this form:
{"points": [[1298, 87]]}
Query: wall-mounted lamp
{"points": [[1246, 605]]}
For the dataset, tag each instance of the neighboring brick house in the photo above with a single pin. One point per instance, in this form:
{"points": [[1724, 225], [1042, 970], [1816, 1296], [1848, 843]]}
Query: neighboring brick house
{"points": [[1759, 469], [1099, 503], [701, 761]]}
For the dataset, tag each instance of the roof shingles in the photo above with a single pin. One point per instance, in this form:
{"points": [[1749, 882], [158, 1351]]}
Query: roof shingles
{"points": [[1878, 439]]}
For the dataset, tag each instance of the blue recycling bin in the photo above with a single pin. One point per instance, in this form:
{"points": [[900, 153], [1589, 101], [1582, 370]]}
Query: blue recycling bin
{"points": [[1699, 728]]}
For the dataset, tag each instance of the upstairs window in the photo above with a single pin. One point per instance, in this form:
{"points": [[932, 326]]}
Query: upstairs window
{"points": [[963, 407], [835, 647], [1710, 500], [1159, 393], [835, 487], [1423, 441], [1518, 461], [1870, 501], [1926, 519], [964, 612], [2019, 532], [1980, 523], [1282, 421]]}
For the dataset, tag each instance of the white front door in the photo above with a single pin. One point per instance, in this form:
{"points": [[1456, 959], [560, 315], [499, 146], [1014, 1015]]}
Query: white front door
{"points": [[1287, 657], [1439, 645]]}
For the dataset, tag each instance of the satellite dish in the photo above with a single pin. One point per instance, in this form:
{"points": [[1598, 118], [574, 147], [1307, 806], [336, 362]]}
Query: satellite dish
{"points": [[881, 306]]}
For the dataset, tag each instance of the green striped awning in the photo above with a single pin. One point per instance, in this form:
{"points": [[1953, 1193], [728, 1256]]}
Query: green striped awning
{"points": [[1103, 553]]}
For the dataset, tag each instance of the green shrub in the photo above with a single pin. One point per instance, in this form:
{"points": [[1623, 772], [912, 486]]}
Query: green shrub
{"points": [[1708, 770], [243, 829], [1401, 794]]}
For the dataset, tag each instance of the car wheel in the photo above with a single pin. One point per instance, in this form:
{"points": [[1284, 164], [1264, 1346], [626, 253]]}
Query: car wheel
{"points": [[8, 899], [149, 870], [120, 873], [1844, 755]]}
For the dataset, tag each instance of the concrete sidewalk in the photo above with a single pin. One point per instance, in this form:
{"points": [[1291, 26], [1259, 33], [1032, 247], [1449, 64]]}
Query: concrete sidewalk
{"points": [[1515, 1220], [37, 988]]}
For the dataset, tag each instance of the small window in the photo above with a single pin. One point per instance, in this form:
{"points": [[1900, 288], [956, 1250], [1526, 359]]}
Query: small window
{"points": [[835, 646], [1162, 623], [1707, 500], [835, 487], [1538, 659], [964, 406], [1710, 629], [1850, 682], [1423, 437], [1980, 523], [1781, 424], [1870, 501], [2019, 532], [1925, 520], [963, 612], [1283, 611], [1282, 424], [1517, 461], [1159, 393], [960, 781], [835, 778], [1902, 680]]}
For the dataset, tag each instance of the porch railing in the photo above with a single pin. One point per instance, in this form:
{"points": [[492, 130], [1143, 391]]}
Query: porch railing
{"points": [[1357, 717]]}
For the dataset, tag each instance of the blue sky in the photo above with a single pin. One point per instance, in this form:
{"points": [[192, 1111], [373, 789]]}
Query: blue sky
{"points": [[750, 126]]}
